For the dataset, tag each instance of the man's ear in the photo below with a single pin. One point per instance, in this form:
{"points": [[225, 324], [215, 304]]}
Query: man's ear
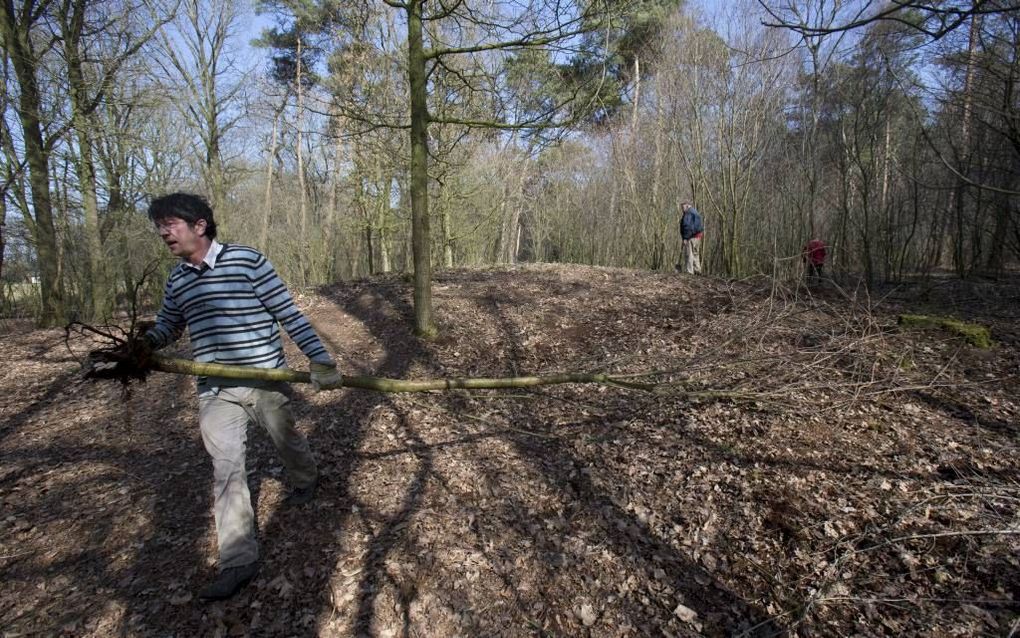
{"points": [[200, 226]]}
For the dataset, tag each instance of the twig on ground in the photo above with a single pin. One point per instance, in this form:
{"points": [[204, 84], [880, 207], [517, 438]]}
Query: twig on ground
{"points": [[968, 532]]}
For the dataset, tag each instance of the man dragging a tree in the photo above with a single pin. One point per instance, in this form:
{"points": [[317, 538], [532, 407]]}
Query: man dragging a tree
{"points": [[232, 302]]}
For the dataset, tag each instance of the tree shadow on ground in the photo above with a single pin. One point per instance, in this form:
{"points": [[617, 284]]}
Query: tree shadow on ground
{"points": [[385, 313], [627, 536], [104, 498], [163, 474], [14, 424], [954, 408]]}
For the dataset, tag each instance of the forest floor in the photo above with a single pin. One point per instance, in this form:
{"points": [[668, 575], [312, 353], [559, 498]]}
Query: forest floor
{"points": [[806, 467]]}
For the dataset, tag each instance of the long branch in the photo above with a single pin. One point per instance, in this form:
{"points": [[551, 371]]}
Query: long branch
{"points": [[383, 384]]}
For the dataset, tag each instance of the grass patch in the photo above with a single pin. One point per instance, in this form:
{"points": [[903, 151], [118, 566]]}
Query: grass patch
{"points": [[975, 334]]}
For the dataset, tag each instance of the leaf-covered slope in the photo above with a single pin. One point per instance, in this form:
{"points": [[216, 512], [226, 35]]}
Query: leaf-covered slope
{"points": [[855, 478]]}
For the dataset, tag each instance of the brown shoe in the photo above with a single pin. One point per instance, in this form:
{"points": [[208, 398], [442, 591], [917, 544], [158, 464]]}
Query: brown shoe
{"points": [[230, 581]]}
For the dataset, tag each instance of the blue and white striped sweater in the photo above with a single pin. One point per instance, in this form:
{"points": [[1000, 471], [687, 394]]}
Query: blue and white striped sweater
{"points": [[231, 311]]}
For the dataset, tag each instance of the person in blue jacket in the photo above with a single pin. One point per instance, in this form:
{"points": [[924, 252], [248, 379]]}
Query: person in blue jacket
{"points": [[692, 228]]}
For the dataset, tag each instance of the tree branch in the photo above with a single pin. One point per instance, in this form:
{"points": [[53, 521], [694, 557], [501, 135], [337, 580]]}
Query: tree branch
{"points": [[949, 19], [383, 384], [526, 41]]}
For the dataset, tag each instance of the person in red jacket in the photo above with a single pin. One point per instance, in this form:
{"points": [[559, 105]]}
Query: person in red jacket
{"points": [[814, 258]]}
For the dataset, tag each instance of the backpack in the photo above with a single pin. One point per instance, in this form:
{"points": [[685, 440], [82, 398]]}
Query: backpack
{"points": [[699, 226]]}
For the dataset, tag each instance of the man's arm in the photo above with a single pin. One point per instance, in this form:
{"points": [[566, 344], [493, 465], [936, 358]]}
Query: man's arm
{"points": [[685, 226], [276, 299], [170, 322]]}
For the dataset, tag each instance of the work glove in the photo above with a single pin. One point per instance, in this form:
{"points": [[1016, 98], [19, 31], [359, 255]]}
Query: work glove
{"points": [[324, 376]]}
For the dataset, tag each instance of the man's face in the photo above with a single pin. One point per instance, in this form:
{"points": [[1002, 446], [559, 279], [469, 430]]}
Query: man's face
{"points": [[182, 239]]}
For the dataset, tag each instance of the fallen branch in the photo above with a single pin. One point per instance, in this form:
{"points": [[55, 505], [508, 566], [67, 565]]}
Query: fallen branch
{"points": [[383, 384], [127, 358]]}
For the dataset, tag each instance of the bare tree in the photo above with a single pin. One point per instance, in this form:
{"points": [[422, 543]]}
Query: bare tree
{"points": [[96, 45], [484, 34], [20, 29], [199, 55]]}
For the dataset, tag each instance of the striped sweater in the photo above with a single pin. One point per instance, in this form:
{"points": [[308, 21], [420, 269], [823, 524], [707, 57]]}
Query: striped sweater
{"points": [[231, 309]]}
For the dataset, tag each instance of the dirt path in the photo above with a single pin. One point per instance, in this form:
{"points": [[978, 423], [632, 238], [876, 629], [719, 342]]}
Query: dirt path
{"points": [[867, 483]]}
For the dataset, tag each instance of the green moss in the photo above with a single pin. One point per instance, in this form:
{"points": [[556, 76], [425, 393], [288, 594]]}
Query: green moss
{"points": [[975, 334]]}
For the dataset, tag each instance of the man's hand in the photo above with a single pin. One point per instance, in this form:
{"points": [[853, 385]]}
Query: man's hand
{"points": [[324, 376]]}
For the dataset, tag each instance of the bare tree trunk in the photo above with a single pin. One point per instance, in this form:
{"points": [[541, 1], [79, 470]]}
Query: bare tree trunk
{"points": [[215, 177], [444, 227], [497, 254], [10, 161], [517, 243], [612, 215], [61, 199], [17, 42], [267, 202], [513, 233], [1002, 202], [367, 227], [334, 202], [96, 286], [420, 238], [447, 238], [885, 164], [510, 216], [637, 93], [382, 208], [1001, 233], [3, 231], [658, 217], [302, 256], [385, 263], [968, 108]]}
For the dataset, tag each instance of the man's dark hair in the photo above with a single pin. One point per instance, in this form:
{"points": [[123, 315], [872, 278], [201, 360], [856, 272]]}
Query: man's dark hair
{"points": [[186, 206]]}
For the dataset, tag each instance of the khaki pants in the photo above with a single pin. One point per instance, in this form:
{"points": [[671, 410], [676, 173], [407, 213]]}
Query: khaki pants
{"points": [[224, 419], [692, 255]]}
